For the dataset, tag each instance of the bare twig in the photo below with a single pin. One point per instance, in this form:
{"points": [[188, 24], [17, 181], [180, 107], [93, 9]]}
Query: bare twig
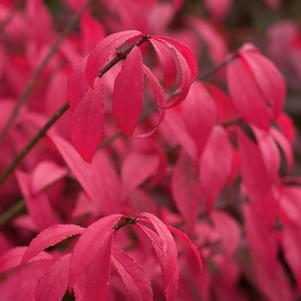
{"points": [[12, 212]]}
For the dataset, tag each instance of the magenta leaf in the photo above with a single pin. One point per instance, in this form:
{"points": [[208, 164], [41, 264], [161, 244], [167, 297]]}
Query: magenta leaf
{"points": [[215, 165], [245, 94], [77, 85], [94, 239], [104, 50], [38, 205], [53, 284], [132, 175], [186, 189], [165, 249], [137, 284], [45, 174], [48, 238], [187, 241], [268, 79], [199, 114], [87, 122], [127, 96], [12, 258]]}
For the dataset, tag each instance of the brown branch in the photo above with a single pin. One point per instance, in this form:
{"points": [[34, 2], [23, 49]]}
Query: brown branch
{"points": [[12, 212], [38, 72]]}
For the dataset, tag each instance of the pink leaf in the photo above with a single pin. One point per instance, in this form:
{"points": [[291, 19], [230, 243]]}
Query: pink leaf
{"points": [[186, 189], [104, 50], [166, 61], [215, 42], [93, 239], [269, 151], [13, 257], [77, 85], [269, 80], [256, 179], [96, 276], [228, 230], [187, 241], [87, 122], [136, 282], [92, 31], [45, 174], [166, 252], [38, 205], [176, 127], [53, 285], [218, 8], [128, 92], [245, 94], [48, 238], [215, 165], [133, 175], [199, 114]]}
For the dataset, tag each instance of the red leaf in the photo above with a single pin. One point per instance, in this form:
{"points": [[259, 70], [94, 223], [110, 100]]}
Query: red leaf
{"points": [[127, 96], [199, 114], [215, 165], [104, 50], [187, 241], [218, 8], [133, 175], [92, 31], [98, 179], [94, 281], [256, 179], [77, 85], [45, 174], [186, 67], [166, 252], [269, 152], [176, 127], [245, 94], [215, 42], [12, 258], [87, 122], [94, 239], [167, 63], [269, 80], [48, 238], [53, 285], [136, 282], [38, 205], [186, 189]]}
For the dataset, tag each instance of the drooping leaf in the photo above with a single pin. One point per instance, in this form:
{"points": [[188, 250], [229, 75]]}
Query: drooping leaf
{"points": [[53, 284], [91, 243], [137, 284], [48, 238], [127, 96], [87, 122], [166, 252], [186, 189], [215, 165], [103, 52]]}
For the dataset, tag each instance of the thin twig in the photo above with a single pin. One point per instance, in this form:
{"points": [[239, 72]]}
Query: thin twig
{"points": [[12, 212], [38, 72]]}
